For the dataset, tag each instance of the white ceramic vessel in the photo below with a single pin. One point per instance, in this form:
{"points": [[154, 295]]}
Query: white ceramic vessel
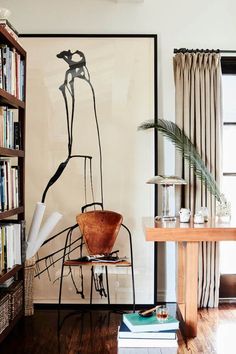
{"points": [[184, 215]]}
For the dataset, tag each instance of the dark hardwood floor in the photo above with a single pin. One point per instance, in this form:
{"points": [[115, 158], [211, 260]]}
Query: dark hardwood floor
{"points": [[96, 332]]}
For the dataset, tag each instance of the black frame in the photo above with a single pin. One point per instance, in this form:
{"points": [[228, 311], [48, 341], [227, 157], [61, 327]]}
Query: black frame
{"points": [[154, 36]]}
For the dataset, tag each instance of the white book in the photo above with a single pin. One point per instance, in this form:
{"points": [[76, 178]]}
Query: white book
{"points": [[13, 186], [10, 246], [147, 343], [147, 350], [17, 187], [125, 332], [13, 72], [5, 185], [17, 243], [9, 185]]}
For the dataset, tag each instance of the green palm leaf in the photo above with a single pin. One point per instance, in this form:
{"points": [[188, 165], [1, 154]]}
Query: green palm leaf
{"points": [[188, 150]]}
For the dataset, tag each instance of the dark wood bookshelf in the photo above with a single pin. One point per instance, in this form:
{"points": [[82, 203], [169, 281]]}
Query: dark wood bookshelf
{"points": [[11, 325], [11, 152], [6, 99], [6, 38], [10, 273], [7, 213]]}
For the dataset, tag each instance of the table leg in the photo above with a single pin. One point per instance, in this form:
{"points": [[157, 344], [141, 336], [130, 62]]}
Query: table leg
{"points": [[181, 274], [187, 291], [191, 289]]}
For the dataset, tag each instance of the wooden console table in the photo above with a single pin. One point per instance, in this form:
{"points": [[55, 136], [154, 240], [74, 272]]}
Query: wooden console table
{"points": [[188, 236]]}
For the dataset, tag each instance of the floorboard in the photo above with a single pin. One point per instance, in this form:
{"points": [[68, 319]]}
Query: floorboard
{"points": [[96, 332]]}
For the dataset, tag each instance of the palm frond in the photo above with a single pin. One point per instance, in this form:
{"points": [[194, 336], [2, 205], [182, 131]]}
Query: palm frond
{"points": [[188, 150]]}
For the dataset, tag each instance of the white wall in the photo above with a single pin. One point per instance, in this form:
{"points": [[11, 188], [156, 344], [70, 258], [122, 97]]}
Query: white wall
{"points": [[183, 23]]}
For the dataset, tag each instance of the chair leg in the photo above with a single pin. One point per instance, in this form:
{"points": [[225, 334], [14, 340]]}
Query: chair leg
{"points": [[59, 300], [60, 289], [91, 286], [133, 287], [108, 294]]}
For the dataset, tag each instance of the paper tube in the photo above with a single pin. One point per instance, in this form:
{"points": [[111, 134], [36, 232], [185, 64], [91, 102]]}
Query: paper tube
{"points": [[44, 232], [36, 222]]}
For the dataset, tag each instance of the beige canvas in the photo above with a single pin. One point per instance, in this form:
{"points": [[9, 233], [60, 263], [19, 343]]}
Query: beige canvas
{"points": [[122, 73]]}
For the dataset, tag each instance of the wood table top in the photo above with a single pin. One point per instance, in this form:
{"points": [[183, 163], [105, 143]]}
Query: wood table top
{"points": [[212, 230]]}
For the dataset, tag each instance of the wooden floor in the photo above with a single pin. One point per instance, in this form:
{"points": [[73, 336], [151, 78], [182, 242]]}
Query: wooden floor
{"points": [[96, 332]]}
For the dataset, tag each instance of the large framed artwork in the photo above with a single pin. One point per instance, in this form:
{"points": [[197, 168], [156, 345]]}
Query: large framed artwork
{"points": [[86, 97]]}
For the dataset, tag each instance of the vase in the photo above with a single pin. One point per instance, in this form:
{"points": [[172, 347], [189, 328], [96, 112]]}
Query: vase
{"points": [[223, 212]]}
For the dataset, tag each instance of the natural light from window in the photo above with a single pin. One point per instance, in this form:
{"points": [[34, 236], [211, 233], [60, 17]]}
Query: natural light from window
{"points": [[228, 249]]}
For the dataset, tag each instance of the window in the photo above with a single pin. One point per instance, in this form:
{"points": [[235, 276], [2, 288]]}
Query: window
{"points": [[228, 249]]}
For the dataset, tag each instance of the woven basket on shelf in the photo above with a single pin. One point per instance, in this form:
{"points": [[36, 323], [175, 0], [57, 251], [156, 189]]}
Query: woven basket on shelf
{"points": [[29, 279], [15, 292], [4, 311]]}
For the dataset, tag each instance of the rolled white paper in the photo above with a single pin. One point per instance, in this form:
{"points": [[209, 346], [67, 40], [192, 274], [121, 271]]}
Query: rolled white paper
{"points": [[44, 232], [36, 222], [29, 250]]}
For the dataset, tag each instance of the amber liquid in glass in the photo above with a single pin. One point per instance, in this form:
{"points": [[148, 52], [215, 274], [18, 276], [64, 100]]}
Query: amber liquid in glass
{"points": [[162, 316]]}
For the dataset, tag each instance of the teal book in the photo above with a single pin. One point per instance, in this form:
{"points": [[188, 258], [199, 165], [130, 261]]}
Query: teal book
{"points": [[137, 323]]}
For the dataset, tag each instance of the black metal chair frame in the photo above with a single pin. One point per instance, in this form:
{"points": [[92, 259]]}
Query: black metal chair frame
{"points": [[67, 245]]}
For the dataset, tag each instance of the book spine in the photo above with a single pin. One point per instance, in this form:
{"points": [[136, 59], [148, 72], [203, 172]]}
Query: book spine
{"points": [[1, 252], [1, 125], [5, 248], [22, 80], [16, 135], [4, 67], [1, 68], [5, 184], [23, 241], [2, 185]]}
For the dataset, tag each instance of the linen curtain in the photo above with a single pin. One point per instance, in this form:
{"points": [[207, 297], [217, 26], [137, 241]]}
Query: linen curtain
{"points": [[198, 112]]}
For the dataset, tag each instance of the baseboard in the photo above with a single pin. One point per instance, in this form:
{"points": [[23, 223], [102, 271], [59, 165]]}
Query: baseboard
{"points": [[228, 300]]}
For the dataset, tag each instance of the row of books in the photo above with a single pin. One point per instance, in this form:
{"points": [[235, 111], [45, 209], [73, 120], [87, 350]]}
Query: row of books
{"points": [[9, 185], [12, 69], [9, 129], [11, 236], [148, 332]]}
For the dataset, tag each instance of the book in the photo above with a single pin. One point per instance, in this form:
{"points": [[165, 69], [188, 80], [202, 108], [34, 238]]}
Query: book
{"points": [[7, 283], [147, 343], [125, 332], [109, 259], [12, 242], [101, 258], [137, 323]]}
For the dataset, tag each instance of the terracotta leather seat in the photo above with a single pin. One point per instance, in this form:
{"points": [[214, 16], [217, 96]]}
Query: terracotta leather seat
{"points": [[99, 230]]}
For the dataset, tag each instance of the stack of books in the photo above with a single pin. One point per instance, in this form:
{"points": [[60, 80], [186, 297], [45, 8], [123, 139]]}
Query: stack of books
{"points": [[9, 185], [11, 237], [9, 129], [12, 71], [148, 332]]}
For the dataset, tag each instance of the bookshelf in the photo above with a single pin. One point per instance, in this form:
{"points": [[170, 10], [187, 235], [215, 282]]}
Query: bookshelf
{"points": [[12, 102]]}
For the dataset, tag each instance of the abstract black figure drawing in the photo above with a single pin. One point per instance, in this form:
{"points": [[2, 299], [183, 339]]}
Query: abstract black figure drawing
{"points": [[77, 70]]}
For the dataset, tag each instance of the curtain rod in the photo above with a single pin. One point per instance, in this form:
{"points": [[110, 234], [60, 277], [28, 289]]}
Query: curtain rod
{"points": [[185, 50]]}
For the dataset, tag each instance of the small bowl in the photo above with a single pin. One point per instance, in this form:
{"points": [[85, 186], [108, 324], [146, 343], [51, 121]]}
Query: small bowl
{"points": [[149, 314]]}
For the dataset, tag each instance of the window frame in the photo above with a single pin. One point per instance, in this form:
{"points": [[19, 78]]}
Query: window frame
{"points": [[227, 281]]}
